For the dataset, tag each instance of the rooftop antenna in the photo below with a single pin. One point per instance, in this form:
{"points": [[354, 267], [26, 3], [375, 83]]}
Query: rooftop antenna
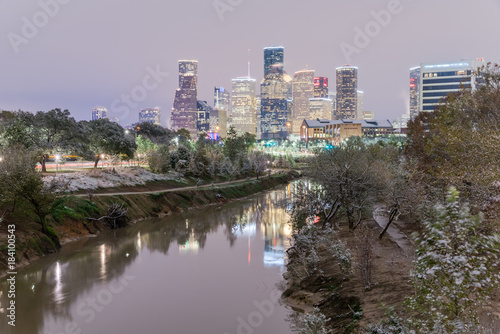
{"points": [[248, 63]]}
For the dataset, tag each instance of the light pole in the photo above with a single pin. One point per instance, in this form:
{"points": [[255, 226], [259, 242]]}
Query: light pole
{"points": [[57, 157]]}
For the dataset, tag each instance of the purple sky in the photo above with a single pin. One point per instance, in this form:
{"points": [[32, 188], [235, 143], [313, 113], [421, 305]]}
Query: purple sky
{"points": [[92, 52]]}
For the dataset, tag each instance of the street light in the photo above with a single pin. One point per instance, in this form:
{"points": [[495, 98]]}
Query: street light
{"points": [[57, 157]]}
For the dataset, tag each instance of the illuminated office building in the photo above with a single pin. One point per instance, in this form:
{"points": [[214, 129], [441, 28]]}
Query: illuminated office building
{"points": [[99, 112], [184, 112], [243, 109], [273, 56], [347, 92], [303, 91], [319, 108], [220, 114], [150, 115], [414, 91], [321, 87], [360, 105], [275, 94], [203, 117], [437, 80]]}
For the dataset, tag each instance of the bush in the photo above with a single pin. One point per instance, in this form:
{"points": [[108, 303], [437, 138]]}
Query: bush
{"points": [[159, 160]]}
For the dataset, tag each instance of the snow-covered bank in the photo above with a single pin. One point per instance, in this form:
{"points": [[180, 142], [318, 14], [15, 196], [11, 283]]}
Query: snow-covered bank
{"points": [[91, 180]]}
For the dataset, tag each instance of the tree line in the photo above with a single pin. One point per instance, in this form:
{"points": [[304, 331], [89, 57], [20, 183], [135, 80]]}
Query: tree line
{"points": [[30, 139]]}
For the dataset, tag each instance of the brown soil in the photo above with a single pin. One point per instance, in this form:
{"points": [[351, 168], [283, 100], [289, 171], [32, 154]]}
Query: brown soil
{"points": [[339, 297]]}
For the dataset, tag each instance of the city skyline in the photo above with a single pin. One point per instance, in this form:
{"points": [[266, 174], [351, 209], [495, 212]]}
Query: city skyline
{"points": [[135, 41]]}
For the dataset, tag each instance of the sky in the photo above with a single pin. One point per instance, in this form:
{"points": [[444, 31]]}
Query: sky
{"points": [[123, 54]]}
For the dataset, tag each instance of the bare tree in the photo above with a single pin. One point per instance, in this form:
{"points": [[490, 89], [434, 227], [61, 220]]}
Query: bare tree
{"points": [[365, 256], [348, 179]]}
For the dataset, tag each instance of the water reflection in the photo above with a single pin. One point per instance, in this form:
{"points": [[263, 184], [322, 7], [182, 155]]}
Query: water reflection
{"points": [[50, 292]]}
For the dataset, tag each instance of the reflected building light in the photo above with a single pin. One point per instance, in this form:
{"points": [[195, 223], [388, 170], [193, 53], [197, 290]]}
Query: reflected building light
{"points": [[102, 250], [58, 295], [190, 247], [249, 251], [250, 229], [139, 243]]}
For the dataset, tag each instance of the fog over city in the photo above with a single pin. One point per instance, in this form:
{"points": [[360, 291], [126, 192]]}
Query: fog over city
{"points": [[78, 54]]}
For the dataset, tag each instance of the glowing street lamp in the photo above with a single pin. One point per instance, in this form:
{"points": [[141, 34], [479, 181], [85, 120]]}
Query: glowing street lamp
{"points": [[57, 157]]}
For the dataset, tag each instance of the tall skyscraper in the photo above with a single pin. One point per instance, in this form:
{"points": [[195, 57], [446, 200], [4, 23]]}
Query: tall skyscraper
{"points": [[222, 99], [184, 112], [320, 108], [360, 105], [437, 80], [414, 91], [243, 111], [99, 112], [347, 92], [273, 56], [258, 133], [150, 115], [303, 91], [203, 117], [219, 116], [275, 94], [321, 87], [333, 96]]}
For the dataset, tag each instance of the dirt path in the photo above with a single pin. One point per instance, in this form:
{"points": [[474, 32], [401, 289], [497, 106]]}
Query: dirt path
{"points": [[175, 189], [393, 231]]}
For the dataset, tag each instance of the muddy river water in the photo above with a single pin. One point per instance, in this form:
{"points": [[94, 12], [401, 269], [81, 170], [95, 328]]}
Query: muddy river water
{"points": [[212, 270]]}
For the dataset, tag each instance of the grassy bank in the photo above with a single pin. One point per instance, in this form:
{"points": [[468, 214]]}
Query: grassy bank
{"points": [[69, 221]]}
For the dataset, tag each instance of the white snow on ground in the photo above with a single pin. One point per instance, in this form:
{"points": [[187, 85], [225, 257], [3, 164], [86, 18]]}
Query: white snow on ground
{"points": [[89, 180]]}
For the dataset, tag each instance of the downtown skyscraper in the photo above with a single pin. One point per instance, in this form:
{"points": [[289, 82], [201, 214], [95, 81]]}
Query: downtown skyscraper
{"points": [[273, 56], [275, 104], [303, 91], [150, 115], [321, 87], [184, 112], [99, 112], [220, 114], [243, 108], [347, 92], [414, 91]]}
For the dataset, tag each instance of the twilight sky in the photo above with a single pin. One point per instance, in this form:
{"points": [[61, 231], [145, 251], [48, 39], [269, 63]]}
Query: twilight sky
{"points": [[88, 53]]}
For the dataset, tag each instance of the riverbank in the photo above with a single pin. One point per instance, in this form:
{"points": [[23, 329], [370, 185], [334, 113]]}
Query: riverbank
{"points": [[69, 220], [341, 296]]}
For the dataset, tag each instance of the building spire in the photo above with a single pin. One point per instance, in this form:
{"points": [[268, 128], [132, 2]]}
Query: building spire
{"points": [[249, 63]]}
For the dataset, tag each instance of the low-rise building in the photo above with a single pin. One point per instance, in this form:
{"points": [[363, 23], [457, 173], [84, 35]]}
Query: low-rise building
{"points": [[337, 130]]}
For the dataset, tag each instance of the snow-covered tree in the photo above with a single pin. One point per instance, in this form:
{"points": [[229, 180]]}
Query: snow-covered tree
{"points": [[456, 268], [313, 323]]}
